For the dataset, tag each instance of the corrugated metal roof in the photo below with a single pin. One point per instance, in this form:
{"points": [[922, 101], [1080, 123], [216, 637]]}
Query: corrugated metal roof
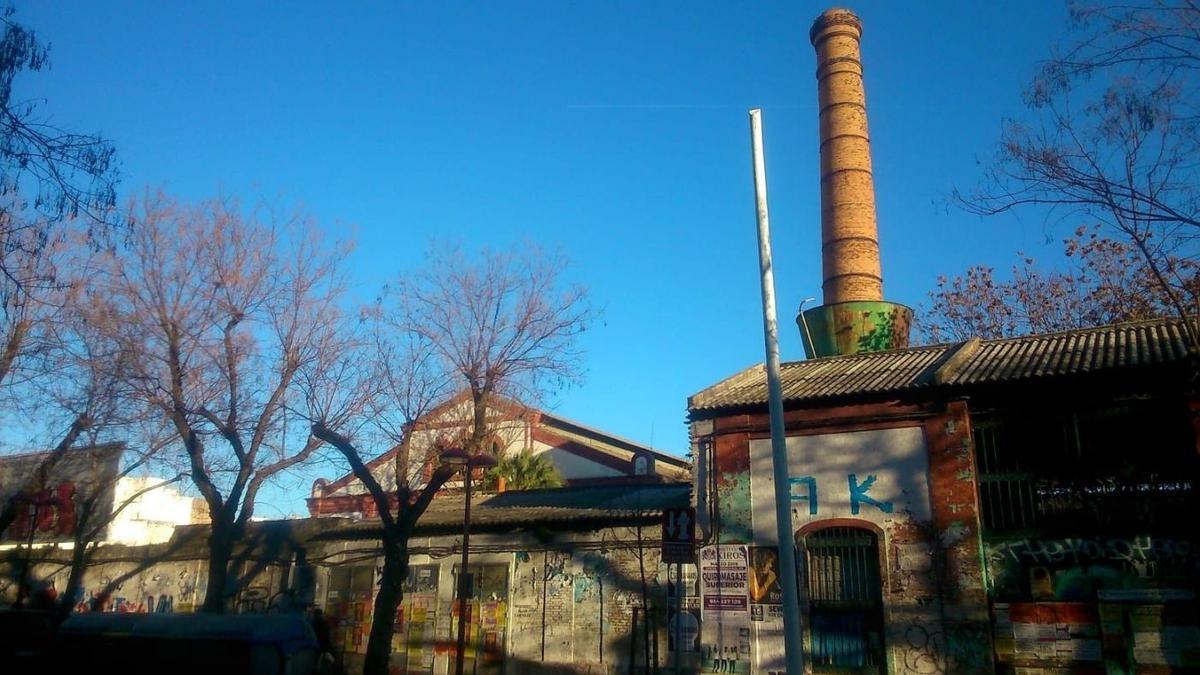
{"points": [[1127, 345]]}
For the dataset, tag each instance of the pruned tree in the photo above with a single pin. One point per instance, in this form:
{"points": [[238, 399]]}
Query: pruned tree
{"points": [[47, 174], [1112, 138], [222, 308], [1106, 281], [500, 324]]}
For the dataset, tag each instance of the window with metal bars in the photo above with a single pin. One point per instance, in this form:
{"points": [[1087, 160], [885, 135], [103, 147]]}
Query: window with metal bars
{"points": [[845, 600], [1120, 467]]}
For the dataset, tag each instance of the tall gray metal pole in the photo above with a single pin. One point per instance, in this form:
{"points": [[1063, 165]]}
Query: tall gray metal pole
{"points": [[783, 507]]}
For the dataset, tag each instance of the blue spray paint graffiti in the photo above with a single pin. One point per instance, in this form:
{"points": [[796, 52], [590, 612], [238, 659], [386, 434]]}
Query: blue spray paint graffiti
{"points": [[810, 496], [804, 489], [858, 493]]}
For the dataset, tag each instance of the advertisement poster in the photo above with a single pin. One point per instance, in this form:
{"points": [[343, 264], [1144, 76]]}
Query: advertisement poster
{"points": [[724, 573], [766, 609], [763, 582], [725, 630]]}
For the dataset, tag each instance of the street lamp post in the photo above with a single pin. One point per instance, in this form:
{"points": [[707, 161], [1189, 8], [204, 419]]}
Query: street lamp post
{"points": [[460, 459]]}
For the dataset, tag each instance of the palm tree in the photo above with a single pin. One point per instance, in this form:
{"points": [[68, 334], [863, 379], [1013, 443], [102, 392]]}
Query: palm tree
{"points": [[525, 471]]}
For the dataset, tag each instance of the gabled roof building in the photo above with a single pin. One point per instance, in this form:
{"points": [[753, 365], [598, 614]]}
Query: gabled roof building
{"points": [[954, 504]]}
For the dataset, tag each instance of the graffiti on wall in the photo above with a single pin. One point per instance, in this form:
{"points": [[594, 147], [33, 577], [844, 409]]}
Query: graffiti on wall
{"points": [[803, 489], [1074, 568], [48, 512], [1133, 550], [876, 475]]}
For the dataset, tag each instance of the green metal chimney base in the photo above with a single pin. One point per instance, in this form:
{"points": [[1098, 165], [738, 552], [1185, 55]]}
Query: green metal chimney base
{"points": [[854, 327]]}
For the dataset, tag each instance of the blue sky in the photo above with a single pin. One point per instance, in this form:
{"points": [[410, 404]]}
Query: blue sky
{"points": [[614, 131]]}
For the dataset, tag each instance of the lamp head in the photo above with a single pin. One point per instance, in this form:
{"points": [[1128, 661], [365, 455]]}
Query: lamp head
{"points": [[483, 460], [455, 457]]}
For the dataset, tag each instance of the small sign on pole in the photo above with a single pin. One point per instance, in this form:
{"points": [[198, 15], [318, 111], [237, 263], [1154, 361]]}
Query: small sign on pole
{"points": [[679, 535]]}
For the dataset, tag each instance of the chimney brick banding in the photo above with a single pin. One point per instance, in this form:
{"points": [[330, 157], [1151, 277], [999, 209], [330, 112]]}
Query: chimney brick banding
{"points": [[849, 232]]}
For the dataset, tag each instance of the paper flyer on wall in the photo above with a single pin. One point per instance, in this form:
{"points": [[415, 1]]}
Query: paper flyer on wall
{"points": [[725, 616]]}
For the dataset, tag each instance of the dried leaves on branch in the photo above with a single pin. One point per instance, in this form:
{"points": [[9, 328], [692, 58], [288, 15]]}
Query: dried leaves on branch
{"points": [[1113, 138], [1105, 282], [503, 324]]}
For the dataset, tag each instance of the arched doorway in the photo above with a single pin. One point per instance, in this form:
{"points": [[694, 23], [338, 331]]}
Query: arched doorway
{"points": [[845, 601]]}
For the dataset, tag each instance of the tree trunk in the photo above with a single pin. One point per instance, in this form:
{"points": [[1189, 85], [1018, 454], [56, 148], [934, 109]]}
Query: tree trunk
{"points": [[79, 562], [220, 552], [391, 593]]}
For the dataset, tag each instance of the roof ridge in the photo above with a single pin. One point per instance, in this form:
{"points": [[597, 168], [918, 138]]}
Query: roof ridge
{"points": [[1132, 323], [1144, 343]]}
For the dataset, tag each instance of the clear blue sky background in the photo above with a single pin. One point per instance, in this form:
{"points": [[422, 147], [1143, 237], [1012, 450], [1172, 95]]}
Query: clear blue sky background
{"points": [[614, 131]]}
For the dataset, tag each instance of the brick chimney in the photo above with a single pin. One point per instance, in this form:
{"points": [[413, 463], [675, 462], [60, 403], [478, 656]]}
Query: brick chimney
{"points": [[855, 318]]}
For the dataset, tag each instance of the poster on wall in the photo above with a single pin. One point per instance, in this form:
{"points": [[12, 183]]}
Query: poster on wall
{"points": [[763, 581], [725, 631], [686, 586], [683, 630], [766, 609], [724, 571]]}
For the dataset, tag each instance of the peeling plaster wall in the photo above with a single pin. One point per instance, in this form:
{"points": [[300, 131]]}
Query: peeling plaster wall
{"points": [[877, 479], [913, 484], [121, 585], [568, 600], [568, 603]]}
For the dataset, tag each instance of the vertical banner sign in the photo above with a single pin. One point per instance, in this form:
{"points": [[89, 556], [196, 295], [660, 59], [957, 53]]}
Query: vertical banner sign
{"points": [[679, 535]]}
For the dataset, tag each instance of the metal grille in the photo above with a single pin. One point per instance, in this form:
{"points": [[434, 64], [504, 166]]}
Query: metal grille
{"points": [[844, 593], [1006, 492], [1117, 466]]}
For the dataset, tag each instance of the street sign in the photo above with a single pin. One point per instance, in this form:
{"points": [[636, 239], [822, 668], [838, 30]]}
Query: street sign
{"points": [[679, 535]]}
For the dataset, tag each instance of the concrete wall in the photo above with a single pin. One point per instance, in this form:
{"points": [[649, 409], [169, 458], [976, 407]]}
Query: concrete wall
{"points": [[567, 605], [80, 473], [564, 603], [152, 513], [121, 580]]}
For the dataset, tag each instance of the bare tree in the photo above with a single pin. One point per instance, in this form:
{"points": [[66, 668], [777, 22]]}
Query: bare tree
{"points": [[222, 308], [59, 372], [1106, 282], [1113, 138], [501, 325], [55, 375], [69, 175], [505, 325]]}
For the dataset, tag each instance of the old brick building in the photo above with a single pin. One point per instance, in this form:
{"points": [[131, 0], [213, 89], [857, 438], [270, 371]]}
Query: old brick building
{"points": [[987, 505]]}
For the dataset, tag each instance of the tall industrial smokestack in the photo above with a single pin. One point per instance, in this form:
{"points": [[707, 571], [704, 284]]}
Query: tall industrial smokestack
{"points": [[849, 238], [854, 318]]}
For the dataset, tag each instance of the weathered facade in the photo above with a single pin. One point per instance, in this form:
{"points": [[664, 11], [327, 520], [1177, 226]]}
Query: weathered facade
{"points": [[47, 495], [996, 505], [581, 454], [565, 580]]}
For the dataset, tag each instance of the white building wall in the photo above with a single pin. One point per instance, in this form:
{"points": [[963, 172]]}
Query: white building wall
{"points": [[152, 516]]}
